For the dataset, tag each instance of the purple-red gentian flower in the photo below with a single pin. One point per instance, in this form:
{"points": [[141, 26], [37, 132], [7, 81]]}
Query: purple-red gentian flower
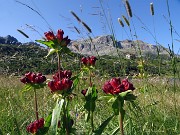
{"points": [[115, 86], [61, 81], [34, 126], [50, 36], [31, 77], [89, 61]]}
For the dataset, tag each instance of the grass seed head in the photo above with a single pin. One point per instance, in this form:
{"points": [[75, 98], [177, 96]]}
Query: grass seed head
{"points": [[87, 27], [128, 8], [126, 20], [77, 18], [120, 22], [152, 8]]}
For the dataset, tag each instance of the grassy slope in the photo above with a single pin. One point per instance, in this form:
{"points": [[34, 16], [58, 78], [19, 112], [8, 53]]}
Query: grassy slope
{"points": [[153, 112]]}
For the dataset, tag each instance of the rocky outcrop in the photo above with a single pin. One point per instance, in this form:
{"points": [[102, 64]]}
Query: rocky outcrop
{"points": [[105, 45]]}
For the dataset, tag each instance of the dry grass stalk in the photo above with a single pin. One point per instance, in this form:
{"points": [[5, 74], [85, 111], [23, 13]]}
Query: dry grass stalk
{"points": [[128, 8], [120, 22], [152, 8], [126, 20]]}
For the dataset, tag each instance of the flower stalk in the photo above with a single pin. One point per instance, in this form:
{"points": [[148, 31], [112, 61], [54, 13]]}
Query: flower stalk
{"points": [[121, 116], [36, 106], [59, 65]]}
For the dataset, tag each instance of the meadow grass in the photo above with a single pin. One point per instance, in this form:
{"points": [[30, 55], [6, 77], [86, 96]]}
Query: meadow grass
{"points": [[151, 114], [154, 112]]}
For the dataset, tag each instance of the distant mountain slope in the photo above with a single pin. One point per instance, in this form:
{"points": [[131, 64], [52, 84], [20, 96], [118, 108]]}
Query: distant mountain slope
{"points": [[104, 45]]}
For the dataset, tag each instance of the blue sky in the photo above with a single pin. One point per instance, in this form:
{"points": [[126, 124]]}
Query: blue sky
{"points": [[57, 14]]}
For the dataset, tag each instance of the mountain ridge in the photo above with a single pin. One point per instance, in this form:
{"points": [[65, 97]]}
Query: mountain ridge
{"points": [[105, 45]]}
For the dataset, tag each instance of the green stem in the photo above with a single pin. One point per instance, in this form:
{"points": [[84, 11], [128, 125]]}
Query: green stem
{"points": [[90, 79], [92, 123], [121, 117], [59, 65], [66, 118], [36, 107]]}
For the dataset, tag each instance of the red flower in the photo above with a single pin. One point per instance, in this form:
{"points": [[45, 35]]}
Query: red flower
{"points": [[107, 88], [49, 35], [31, 77], [115, 82], [115, 86], [89, 61], [84, 92], [34, 126], [61, 81], [59, 37], [92, 60], [127, 85], [84, 60]]}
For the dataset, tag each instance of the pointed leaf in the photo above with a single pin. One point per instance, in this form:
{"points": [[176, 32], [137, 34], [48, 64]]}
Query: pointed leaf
{"points": [[49, 44], [103, 126]]}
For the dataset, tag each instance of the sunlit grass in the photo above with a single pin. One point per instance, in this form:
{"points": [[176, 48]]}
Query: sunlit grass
{"points": [[152, 112]]}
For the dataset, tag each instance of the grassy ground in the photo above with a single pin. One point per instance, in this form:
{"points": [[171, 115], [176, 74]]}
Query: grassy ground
{"points": [[155, 112]]}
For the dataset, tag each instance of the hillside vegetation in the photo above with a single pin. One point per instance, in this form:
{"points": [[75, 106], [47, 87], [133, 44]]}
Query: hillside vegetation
{"points": [[18, 59]]}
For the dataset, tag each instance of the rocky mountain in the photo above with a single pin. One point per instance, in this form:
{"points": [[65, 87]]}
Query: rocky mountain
{"points": [[100, 45], [10, 40], [104, 45]]}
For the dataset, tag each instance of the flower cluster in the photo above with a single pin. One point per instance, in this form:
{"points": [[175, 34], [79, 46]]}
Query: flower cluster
{"points": [[34, 126], [89, 61], [61, 81], [115, 86], [59, 37], [31, 77]]}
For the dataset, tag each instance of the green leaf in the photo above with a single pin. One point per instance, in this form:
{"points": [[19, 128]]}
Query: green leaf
{"points": [[30, 86], [112, 99], [115, 131], [27, 87], [55, 116], [51, 51], [38, 86], [49, 44], [87, 116], [115, 106], [130, 97], [123, 94], [107, 97], [75, 81], [48, 120], [103, 126], [90, 97], [66, 50]]}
